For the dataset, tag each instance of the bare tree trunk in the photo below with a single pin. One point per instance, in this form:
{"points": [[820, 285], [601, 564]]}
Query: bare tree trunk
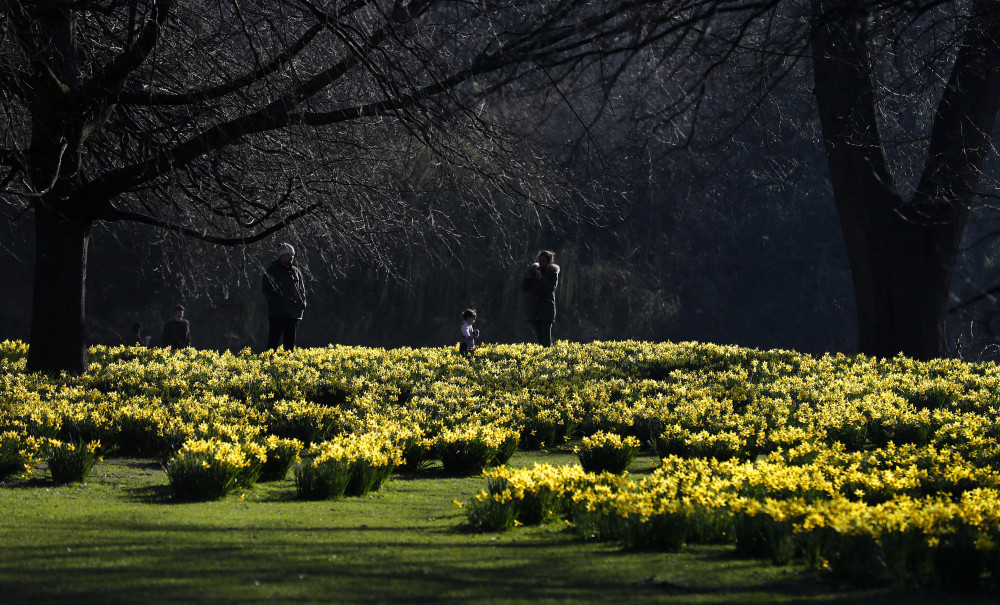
{"points": [[902, 271], [62, 227], [57, 316], [902, 254]]}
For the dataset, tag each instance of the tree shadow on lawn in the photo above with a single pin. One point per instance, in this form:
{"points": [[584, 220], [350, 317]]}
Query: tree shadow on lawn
{"points": [[276, 496], [283, 490], [179, 562], [164, 494], [108, 472], [152, 494], [206, 561], [33, 482]]}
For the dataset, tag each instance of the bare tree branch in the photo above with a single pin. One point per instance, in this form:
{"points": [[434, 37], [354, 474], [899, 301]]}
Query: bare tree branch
{"points": [[215, 92], [125, 215], [111, 76]]}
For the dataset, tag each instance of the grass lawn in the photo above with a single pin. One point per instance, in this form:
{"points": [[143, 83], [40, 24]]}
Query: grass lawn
{"points": [[119, 538]]}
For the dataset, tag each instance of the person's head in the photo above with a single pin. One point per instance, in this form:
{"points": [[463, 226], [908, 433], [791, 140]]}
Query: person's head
{"points": [[469, 315], [136, 326], [546, 257], [178, 312], [285, 254]]}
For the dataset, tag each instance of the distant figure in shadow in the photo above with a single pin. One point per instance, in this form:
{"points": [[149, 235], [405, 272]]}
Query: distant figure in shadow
{"points": [[176, 331], [285, 291], [136, 338], [540, 283]]}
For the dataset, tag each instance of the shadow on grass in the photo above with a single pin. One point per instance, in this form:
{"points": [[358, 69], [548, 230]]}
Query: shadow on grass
{"points": [[307, 556], [276, 496], [142, 464], [280, 491], [33, 482], [343, 569], [151, 494]]}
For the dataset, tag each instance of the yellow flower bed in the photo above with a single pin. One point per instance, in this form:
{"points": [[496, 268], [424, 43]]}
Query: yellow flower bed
{"points": [[876, 468]]}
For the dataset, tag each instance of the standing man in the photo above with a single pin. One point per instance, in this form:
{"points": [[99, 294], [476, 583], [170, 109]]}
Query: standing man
{"points": [[177, 331], [285, 292], [540, 283]]}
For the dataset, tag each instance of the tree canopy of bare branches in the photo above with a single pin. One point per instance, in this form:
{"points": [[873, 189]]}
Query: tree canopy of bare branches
{"points": [[231, 121]]}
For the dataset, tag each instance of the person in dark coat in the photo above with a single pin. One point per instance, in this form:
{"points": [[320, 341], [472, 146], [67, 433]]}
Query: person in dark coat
{"points": [[285, 292], [540, 284], [176, 331]]}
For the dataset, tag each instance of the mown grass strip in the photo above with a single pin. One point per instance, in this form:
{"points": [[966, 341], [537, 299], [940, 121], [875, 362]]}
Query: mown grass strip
{"points": [[120, 538]]}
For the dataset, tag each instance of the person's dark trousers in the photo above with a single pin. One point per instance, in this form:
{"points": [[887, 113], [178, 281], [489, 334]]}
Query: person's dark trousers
{"points": [[543, 332], [281, 331]]}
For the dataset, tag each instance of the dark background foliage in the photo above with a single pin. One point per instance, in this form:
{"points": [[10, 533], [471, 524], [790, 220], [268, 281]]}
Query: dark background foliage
{"points": [[708, 248], [676, 165]]}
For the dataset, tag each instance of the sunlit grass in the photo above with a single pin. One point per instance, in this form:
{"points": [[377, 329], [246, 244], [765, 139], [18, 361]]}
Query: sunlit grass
{"points": [[120, 538]]}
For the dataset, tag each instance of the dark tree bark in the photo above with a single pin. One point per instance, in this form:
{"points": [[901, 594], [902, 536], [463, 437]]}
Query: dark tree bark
{"points": [[58, 311], [902, 252], [62, 223]]}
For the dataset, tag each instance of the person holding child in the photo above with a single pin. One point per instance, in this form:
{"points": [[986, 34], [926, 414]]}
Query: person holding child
{"points": [[469, 334], [540, 285]]}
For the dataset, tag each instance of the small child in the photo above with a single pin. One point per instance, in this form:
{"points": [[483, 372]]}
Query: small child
{"points": [[469, 334], [137, 339]]}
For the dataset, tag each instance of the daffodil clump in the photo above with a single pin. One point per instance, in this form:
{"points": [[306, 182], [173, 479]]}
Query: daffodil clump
{"points": [[306, 421], [543, 426], [18, 452], [280, 455], [13, 355], [609, 452], [325, 473], [208, 469], [376, 455], [353, 465], [929, 540], [407, 436], [468, 449], [70, 462], [523, 496]]}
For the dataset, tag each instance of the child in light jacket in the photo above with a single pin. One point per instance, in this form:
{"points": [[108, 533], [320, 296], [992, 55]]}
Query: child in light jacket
{"points": [[469, 334]]}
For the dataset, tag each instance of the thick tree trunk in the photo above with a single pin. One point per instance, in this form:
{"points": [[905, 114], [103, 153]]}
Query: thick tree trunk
{"points": [[902, 270], [55, 170], [903, 253], [57, 316]]}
